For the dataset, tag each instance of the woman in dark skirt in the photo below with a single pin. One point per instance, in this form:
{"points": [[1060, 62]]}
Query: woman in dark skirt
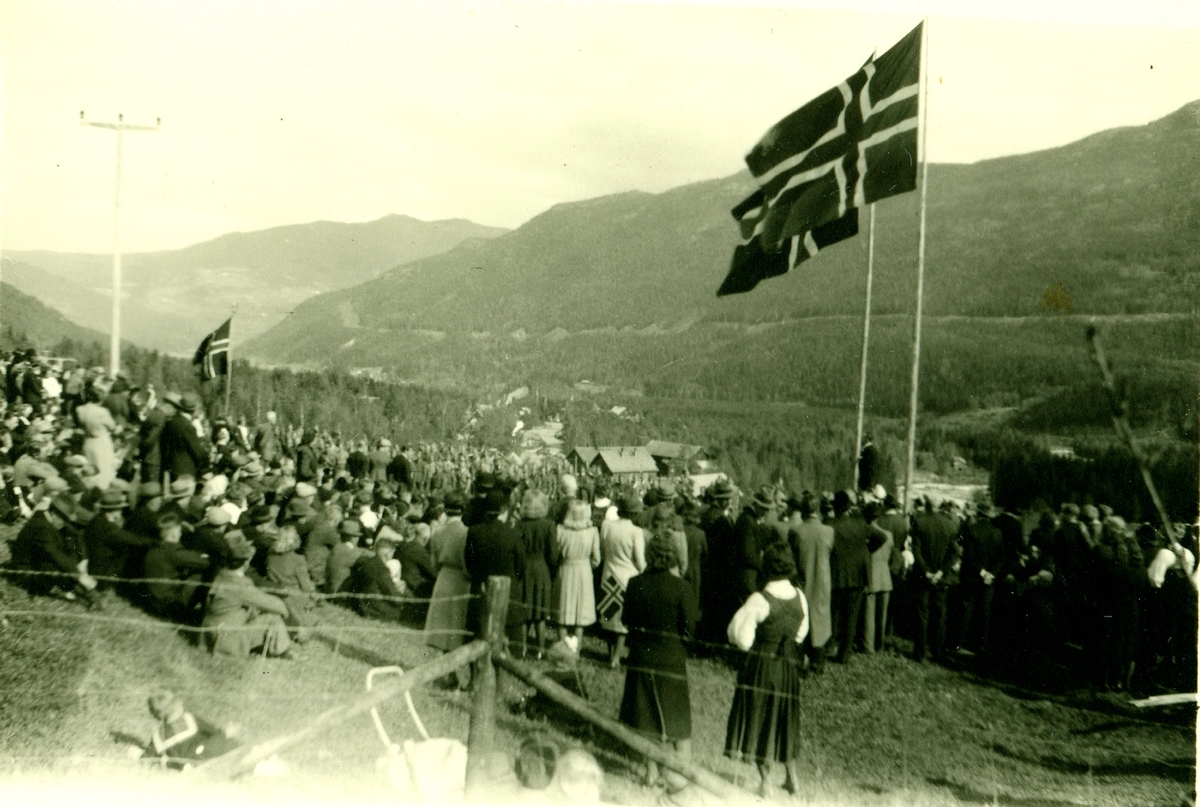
{"points": [[541, 557], [660, 609], [764, 722]]}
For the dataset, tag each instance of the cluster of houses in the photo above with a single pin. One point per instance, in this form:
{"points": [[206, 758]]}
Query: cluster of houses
{"points": [[639, 466]]}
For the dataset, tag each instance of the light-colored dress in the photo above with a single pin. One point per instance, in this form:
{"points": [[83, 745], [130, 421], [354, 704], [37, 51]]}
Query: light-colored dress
{"points": [[573, 591], [98, 423], [623, 548], [446, 620]]}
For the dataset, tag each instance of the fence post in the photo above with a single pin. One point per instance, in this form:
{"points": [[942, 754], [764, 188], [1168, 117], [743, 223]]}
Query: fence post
{"points": [[483, 683]]}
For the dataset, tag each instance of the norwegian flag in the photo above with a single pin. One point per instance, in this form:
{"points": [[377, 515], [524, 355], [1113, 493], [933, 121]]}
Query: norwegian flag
{"points": [[213, 353], [850, 146]]}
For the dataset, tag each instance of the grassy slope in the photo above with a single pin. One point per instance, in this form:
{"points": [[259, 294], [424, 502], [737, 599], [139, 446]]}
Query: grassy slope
{"points": [[881, 731]]}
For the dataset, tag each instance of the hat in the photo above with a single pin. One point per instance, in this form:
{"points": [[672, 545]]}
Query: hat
{"points": [[721, 490], [263, 514], [150, 490], [350, 526], [841, 501], [112, 500], [455, 503], [1070, 509], [239, 545], [217, 517], [1091, 512], [764, 498], [65, 505], [182, 487], [76, 461], [174, 399], [191, 402], [384, 442], [484, 481], [879, 492], [305, 490], [253, 469], [602, 502], [297, 509], [629, 505], [667, 487], [387, 535], [495, 502]]}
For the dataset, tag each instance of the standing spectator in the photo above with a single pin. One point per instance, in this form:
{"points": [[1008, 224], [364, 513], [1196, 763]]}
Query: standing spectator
{"points": [[813, 543], [379, 459], [869, 465], [896, 523], [764, 721], [751, 537], [719, 597], [1123, 580], [266, 439], [574, 594], [98, 424], [446, 619], [850, 568], [879, 585], [936, 566], [151, 416], [623, 552], [539, 538], [983, 556], [661, 611], [308, 459], [697, 548], [494, 549], [182, 452]]}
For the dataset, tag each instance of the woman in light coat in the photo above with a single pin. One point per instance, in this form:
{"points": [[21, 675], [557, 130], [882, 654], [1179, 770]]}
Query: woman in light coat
{"points": [[579, 547]]}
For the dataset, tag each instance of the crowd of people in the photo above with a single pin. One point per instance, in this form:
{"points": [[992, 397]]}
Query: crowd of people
{"points": [[249, 532]]}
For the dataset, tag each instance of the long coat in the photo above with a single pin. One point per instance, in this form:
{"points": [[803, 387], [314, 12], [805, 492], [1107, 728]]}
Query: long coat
{"points": [[447, 615], [814, 544], [660, 610], [494, 548]]}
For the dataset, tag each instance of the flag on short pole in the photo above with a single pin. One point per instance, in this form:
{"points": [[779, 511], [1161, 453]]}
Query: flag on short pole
{"points": [[213, 353], [850, 146]]}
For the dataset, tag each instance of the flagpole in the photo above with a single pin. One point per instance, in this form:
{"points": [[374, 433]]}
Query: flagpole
{"points": [[229, 361], [862, 372], [916, 362]]}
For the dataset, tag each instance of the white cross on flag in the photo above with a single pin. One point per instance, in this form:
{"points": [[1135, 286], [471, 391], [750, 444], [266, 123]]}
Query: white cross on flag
{"points": [[213, 353], [852, 145]]}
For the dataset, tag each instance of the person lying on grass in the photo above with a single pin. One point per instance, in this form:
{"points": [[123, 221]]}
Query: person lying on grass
{"points": [[181, 740]]}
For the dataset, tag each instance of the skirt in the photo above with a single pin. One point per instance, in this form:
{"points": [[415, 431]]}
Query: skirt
{"points": [[656, 703], [764, 722], [538, 590], [612, 602], [446, 619]]}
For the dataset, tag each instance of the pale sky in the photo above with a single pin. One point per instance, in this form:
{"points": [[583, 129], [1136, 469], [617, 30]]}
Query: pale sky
{"points": [[280, 112]]}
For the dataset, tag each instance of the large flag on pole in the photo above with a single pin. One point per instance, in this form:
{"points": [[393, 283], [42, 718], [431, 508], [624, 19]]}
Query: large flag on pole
{"points": [[213, 353], [852, 145]]}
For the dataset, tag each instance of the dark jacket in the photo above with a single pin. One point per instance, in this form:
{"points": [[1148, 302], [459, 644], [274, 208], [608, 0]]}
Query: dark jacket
{"points": [[182, 452], [171, 562], [371, 576], [308, 464], [982, 548], [113, 551], [40, 547], [934, 547], [417, 569], [697, 545], [853, 542], [494, 548], [660, 609]]}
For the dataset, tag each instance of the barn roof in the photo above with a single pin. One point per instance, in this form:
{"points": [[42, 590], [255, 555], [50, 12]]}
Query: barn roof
{"points": [[585, 453], [672, 451], [627, 460]]}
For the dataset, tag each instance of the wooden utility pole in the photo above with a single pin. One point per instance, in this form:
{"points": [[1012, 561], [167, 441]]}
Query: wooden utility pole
{"points": [[481, 737]]}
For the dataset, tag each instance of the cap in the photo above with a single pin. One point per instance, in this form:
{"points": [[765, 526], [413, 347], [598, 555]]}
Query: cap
{"points": [[305, 490]]}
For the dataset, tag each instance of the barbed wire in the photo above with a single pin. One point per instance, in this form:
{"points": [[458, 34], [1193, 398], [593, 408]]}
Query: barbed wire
{"points": [[180, 627], [282, 592]]}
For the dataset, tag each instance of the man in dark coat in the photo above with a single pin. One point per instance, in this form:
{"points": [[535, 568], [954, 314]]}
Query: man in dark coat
{"points": [[50, 543], [495, 549], [308, 460], [151, 420], [697, 546], [850, 569], [112, 550], [982, 558], [868, 464], [183, 454], [175, 573], [398, 469], [719, 596], [936, 564], [370, 575], [751, 537]]}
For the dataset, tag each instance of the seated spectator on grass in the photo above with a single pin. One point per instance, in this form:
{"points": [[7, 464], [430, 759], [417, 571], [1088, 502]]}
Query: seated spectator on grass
{"points": [[287, 570], [242, 618], [174, 573], [344, 555], [112, 550], [50, 545], [371, 577]]}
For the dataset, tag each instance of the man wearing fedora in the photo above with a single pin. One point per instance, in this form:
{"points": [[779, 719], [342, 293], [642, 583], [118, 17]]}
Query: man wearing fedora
{"points": [[174, 574], [850, 568], [751, 537], [50, 544], [183, 454], [240, 617], [719, 595], [112, 550]]}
